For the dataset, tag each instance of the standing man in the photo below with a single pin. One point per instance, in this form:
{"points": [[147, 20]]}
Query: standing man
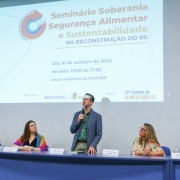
{"points": [[87, 126]]}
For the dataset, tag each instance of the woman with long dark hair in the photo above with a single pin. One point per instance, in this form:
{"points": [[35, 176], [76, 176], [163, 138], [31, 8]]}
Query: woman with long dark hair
{"points": [[31, 140]]}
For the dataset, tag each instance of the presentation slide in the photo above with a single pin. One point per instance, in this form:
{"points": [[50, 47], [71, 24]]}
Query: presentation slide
{"points": [[58, 51]]}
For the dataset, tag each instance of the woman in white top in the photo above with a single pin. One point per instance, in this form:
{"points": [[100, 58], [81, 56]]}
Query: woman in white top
{"points": [[147, 144]]}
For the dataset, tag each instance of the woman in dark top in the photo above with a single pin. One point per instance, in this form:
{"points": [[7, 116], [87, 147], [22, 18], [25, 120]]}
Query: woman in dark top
{"points": [[31, 140]]}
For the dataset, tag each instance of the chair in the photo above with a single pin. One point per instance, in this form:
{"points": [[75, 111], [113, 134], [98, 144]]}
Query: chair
{"points": [[166, 150]]}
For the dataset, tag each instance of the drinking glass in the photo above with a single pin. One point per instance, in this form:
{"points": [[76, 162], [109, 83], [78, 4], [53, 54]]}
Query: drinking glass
{"points": [[133, 152], [49, 147], [176, 150]]}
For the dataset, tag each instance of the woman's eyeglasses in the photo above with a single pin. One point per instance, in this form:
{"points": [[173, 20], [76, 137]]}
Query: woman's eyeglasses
{"points": [[142, 129]]}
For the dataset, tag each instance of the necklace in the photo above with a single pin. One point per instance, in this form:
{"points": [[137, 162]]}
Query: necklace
{"points": [[31, 138]]}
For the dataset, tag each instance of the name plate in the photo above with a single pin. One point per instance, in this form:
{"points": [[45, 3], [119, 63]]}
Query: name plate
{"points": [[10, 149], [110, 152], [175, 155], [56, 151]]}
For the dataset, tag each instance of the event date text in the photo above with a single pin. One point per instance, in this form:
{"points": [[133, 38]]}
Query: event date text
{"points": [[84, 70]]}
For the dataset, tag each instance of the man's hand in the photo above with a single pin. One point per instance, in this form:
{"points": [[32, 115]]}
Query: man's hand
{"points": [[91, 150], [80, 118]]}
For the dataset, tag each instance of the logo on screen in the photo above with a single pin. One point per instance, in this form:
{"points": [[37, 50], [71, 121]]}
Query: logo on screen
{"points": [[32, 25], [74, 95]]}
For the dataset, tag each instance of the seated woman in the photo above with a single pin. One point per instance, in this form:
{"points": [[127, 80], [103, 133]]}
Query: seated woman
{"points": [[147, 144], [31, 140]]}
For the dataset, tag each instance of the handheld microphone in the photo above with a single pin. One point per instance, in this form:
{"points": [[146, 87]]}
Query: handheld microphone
{"points": [[82, 110]]}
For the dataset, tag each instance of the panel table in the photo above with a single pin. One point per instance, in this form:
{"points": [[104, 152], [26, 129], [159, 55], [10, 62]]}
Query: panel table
{"points": [[42, 165]]}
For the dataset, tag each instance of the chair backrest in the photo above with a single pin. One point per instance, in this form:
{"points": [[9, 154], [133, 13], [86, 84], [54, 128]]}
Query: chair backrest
{"points": [[166, 150]]}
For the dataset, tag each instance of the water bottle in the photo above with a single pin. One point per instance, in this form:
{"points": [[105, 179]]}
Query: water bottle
{"points": [[1, 147], [49, 147]]}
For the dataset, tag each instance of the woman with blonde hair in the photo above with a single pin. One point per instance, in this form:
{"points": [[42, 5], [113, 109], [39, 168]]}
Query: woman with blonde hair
{"points": [[147, 144]]}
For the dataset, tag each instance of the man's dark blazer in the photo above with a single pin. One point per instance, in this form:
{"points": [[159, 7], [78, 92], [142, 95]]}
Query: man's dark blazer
{"points": [[94, 129]]}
